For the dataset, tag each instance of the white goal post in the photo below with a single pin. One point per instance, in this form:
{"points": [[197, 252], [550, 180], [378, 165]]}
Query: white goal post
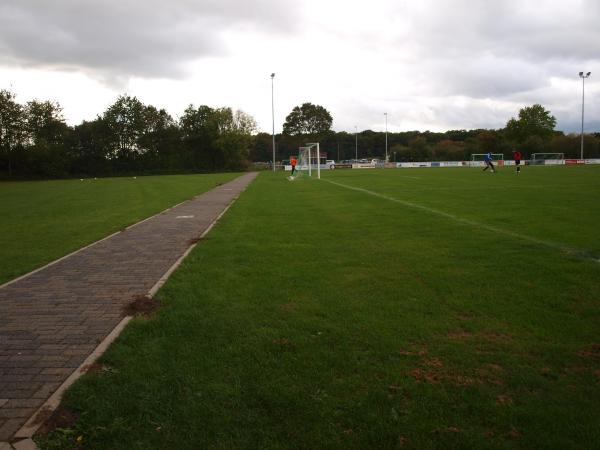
{"points": [[309, 155]]}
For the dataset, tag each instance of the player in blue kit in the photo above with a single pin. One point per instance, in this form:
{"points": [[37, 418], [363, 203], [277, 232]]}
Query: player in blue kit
{"points": [[488, 162]]}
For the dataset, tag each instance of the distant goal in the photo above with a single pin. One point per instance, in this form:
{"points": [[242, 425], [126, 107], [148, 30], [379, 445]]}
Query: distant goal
{"points": [[547, 158]]}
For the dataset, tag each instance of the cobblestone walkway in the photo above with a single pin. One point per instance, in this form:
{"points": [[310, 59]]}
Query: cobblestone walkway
{"points": [[52, 319]]}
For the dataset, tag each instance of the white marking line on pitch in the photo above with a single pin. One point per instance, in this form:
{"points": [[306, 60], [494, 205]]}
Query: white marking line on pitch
{"points": [[472, 223]]}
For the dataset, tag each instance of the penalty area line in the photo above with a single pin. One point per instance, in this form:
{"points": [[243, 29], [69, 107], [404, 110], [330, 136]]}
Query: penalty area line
{"points": [[471, 223]]}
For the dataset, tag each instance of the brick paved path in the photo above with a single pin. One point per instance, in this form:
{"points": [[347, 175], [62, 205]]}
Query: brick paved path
{"points": [[51, 320]]}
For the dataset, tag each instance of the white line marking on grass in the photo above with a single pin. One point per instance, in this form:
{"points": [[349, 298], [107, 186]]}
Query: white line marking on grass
{"points": [[471, 223]]}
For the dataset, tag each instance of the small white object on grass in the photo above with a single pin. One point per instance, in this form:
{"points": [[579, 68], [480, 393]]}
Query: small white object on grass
{"points": [[135, 178], [81, 179]]}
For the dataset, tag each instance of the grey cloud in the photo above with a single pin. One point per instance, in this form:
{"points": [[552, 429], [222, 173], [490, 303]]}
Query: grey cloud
{"points": [[128, 38], [494, 49]]}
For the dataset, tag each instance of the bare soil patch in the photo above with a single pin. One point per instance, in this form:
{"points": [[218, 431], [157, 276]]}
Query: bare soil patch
{"points": [[62, 417], [590, 352], [141, 305]]}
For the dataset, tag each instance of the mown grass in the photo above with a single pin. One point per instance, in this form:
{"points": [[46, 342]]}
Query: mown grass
{"points": [[44, 220], [315, 316]]}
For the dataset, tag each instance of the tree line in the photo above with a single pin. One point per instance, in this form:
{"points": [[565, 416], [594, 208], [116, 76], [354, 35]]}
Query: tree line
{"points": [[532, 131], [129, 137]]}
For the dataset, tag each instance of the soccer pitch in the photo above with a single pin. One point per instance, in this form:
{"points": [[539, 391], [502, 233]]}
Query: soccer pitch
{"points": [[426, 308]]}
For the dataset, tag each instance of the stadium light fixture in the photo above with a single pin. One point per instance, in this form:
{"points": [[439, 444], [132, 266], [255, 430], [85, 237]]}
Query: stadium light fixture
{"points": [[583, 77], [273, 117], [386, 141]]}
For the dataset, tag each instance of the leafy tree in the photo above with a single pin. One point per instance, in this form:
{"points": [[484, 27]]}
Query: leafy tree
{"points": [[44, 122], [217, 138], [126, 121], [307, 119], [89, 145], [46, 131], [533, 121], [12, 129]]}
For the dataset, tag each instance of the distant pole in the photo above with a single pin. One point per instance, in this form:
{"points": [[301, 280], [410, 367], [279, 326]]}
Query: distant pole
{"points": [[356, 143], [583, 77], [338, 144], [273, 116], [386, 142]]}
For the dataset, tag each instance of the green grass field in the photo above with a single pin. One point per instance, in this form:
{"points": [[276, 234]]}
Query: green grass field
{"points": [[426, 308], [44, 220]]}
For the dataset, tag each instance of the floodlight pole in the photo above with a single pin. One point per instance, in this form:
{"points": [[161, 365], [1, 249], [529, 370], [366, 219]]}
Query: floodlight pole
{"points": [[356, 143], [386, 141], [273, 117], [583, 77]]}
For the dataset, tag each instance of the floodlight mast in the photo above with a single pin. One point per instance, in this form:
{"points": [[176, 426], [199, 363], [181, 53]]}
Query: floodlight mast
{"points": [[386, 142], [356, 143], [583, 77], [273, 116]]}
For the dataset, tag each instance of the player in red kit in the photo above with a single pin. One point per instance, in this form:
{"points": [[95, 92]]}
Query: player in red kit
{"points": [[517, 158]]}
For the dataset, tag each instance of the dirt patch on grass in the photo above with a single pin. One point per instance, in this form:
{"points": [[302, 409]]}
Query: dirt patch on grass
{"points": [[514, 434], [590, 352], [141, 305], [465, 317], [434, 371], [504, 400], [284, 344], [489, 336], [435, 363], [289, 307], [61, 417], [92, 368], [426, 376], [413, 353], [461, 334]]}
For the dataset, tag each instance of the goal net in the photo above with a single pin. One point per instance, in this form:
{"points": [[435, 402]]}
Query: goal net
{"points": [[547, 158], [308, 161]]}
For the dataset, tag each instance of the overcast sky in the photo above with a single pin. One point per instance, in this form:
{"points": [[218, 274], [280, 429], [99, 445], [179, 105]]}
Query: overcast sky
{"points": [[430, 64]]}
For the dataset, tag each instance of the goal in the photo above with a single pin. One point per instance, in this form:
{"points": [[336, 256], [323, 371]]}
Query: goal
{"points": [[309, 158], [547, 158]]}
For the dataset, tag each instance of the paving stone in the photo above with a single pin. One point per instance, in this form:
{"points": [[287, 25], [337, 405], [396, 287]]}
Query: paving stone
{"points": [[25, 444], [54, 318], [10, 427]]}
